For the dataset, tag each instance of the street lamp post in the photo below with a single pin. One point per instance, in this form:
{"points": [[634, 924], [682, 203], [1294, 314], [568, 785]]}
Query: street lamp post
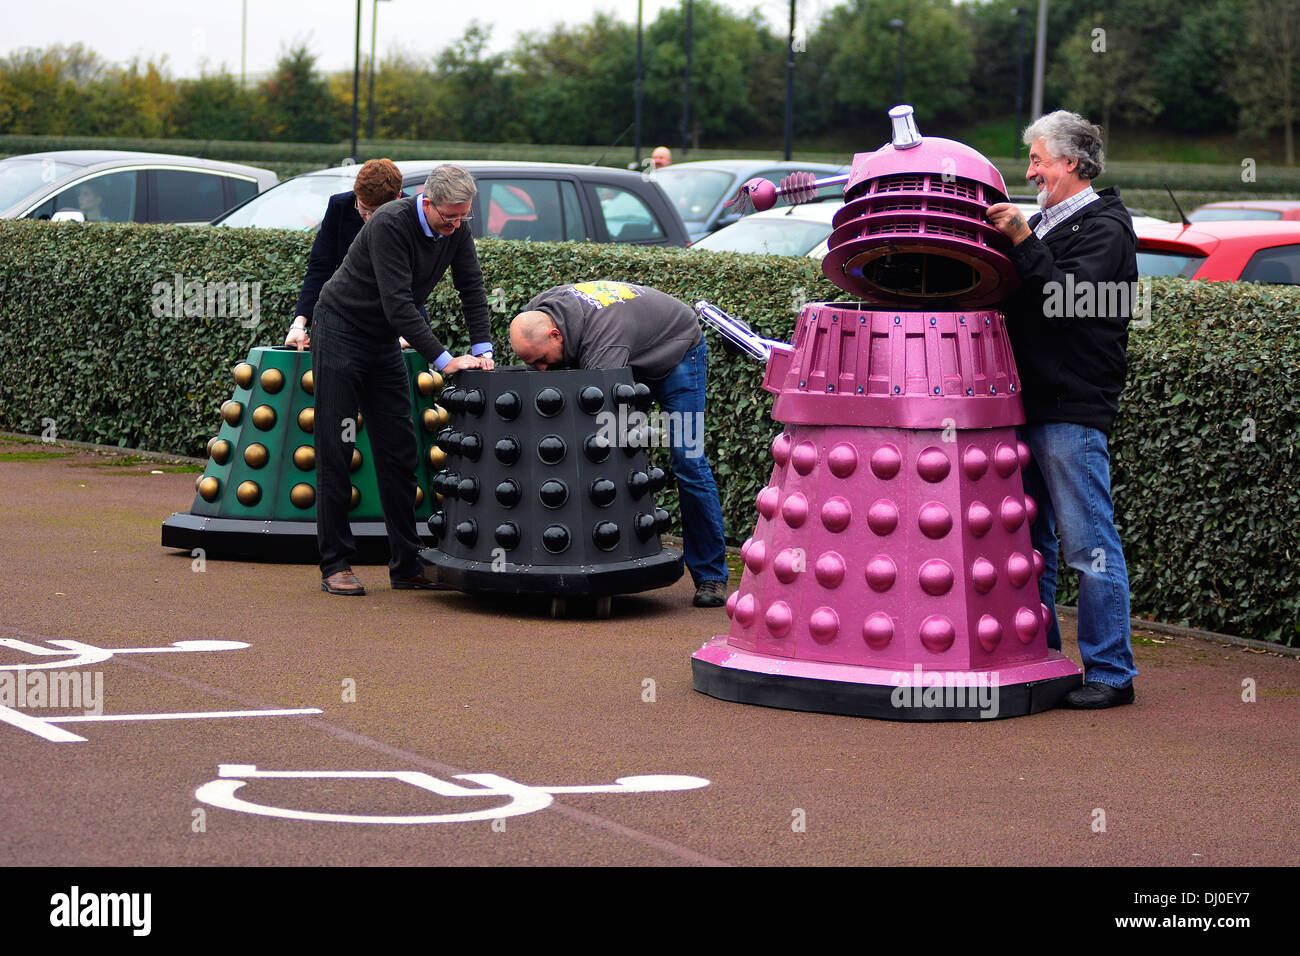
{"points": [[1019, 14], [789, 87], [901, 27], [370, 109], [356, 85], [686, 79], [636, 146]]}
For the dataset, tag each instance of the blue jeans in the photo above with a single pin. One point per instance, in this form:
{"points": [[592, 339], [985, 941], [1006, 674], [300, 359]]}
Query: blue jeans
{"points": [[682, 390], [1069, 477]]}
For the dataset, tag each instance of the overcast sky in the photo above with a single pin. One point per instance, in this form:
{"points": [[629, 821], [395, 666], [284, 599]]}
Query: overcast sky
{"points": [[191, 33]]}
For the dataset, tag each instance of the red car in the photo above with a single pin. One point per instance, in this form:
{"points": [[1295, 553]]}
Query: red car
{"points": [[1229, 251], [1259, 209]]}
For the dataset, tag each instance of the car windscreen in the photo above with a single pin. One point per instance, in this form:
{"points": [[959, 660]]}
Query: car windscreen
{"points": [[1156, 262], [298, 204], [1225, 215], [773, 236], [22, 176], [694, 191]]}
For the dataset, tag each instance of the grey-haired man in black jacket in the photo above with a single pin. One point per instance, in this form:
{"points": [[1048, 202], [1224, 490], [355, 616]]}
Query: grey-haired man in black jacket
{"points": [[1068, 325]]}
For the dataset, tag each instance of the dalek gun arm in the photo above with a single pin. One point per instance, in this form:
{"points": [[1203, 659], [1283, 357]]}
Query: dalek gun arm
{"points": [[737, 332], [799, 187]]}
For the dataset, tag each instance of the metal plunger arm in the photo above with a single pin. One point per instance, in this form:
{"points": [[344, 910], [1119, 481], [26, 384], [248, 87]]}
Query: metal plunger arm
{"points": [[799, 187], [737, 332]]}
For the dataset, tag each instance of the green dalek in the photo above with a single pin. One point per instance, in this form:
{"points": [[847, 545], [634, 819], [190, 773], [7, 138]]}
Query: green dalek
{"points": [[256, 499]]}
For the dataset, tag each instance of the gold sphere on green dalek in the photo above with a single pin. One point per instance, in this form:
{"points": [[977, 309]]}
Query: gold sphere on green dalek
{"points": [[256, 498]]}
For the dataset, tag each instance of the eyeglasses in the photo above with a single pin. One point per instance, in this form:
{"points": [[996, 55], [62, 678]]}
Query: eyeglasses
{"points": [[449, 220], [365, 211]]}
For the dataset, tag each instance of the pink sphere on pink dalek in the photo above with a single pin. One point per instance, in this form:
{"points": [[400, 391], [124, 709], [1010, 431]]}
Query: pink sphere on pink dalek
{"points": [[890, 572]]}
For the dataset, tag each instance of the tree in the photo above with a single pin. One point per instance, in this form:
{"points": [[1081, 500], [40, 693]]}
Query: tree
{"points": [[130, 101], [736, 76], [576, 84], [213, 107], [1266, 79], [41, 90], [1193, 68], [482, 89], [1104, 69], [296, 103], [411, 102], [860, 53]]}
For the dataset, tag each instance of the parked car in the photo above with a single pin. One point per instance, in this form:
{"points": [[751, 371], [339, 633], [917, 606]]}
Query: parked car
{"points": [[104, 185], [549, 202], [781, 231], [1259, 209], [700, 191], [1228, 251]]}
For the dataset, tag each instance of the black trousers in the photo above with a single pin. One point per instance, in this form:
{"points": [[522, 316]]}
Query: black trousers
{"points": [[354, 373]]}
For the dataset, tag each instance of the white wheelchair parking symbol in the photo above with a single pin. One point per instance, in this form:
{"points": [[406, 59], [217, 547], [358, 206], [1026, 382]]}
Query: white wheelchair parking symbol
{"points": [[519, 798], [73, 654]]}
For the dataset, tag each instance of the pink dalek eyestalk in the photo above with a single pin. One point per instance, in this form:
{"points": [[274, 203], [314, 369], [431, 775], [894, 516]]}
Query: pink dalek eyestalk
{"points": [[890, 572]]}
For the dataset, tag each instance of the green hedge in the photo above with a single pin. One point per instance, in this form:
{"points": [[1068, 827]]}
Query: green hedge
{"points": [[1204, 456]]}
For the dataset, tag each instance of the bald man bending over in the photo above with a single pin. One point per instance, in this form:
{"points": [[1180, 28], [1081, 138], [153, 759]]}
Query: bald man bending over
{"points": [[610, 324]]}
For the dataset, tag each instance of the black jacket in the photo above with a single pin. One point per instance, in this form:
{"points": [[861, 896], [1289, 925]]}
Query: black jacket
{"points": [[1068, 322], [338, 228]]}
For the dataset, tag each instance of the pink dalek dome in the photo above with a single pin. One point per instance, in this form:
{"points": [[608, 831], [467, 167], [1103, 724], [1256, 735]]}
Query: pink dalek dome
{"points": [[890, 572], [912, 231]]}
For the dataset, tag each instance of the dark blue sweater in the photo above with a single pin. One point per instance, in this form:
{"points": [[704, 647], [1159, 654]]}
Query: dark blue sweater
{"points": [[340, 226]]}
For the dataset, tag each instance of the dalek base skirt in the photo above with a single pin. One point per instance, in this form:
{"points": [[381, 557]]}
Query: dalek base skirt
{"points": [[256, 498], [546, 487], [724, 672]]}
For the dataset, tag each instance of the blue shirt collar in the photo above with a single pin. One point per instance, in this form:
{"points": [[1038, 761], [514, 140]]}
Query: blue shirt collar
{"points": [[419, 214]]}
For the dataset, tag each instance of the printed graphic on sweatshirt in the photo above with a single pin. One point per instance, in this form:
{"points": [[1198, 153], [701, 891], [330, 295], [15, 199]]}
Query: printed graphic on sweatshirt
{"points": [[601, 294]]}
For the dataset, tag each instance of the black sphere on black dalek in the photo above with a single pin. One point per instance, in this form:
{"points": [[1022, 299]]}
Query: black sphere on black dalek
{"points": [[546, 490]]}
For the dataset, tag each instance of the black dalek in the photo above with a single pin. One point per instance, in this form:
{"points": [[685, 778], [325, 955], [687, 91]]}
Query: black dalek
{"points": [[547, 489]]}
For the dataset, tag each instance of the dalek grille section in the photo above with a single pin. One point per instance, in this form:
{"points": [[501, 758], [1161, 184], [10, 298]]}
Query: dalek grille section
{"points": [[547, 469]]}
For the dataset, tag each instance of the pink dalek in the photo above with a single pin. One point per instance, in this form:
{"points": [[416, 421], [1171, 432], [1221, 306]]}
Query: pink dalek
{"points": [[890, 572]]}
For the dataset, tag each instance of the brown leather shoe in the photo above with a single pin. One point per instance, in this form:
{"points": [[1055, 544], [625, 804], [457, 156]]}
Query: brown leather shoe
{"points": [[422, 582], [342, 582]]}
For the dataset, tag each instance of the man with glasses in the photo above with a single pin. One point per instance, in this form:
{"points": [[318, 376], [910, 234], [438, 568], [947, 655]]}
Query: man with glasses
{"points": [[401, 253]]}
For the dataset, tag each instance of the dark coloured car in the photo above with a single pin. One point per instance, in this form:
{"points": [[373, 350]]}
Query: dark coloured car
{"points": [[544, 202], [104, 185]]}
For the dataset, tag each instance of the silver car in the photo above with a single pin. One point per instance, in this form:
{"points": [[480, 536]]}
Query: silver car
{"points": [[103, 185]]}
